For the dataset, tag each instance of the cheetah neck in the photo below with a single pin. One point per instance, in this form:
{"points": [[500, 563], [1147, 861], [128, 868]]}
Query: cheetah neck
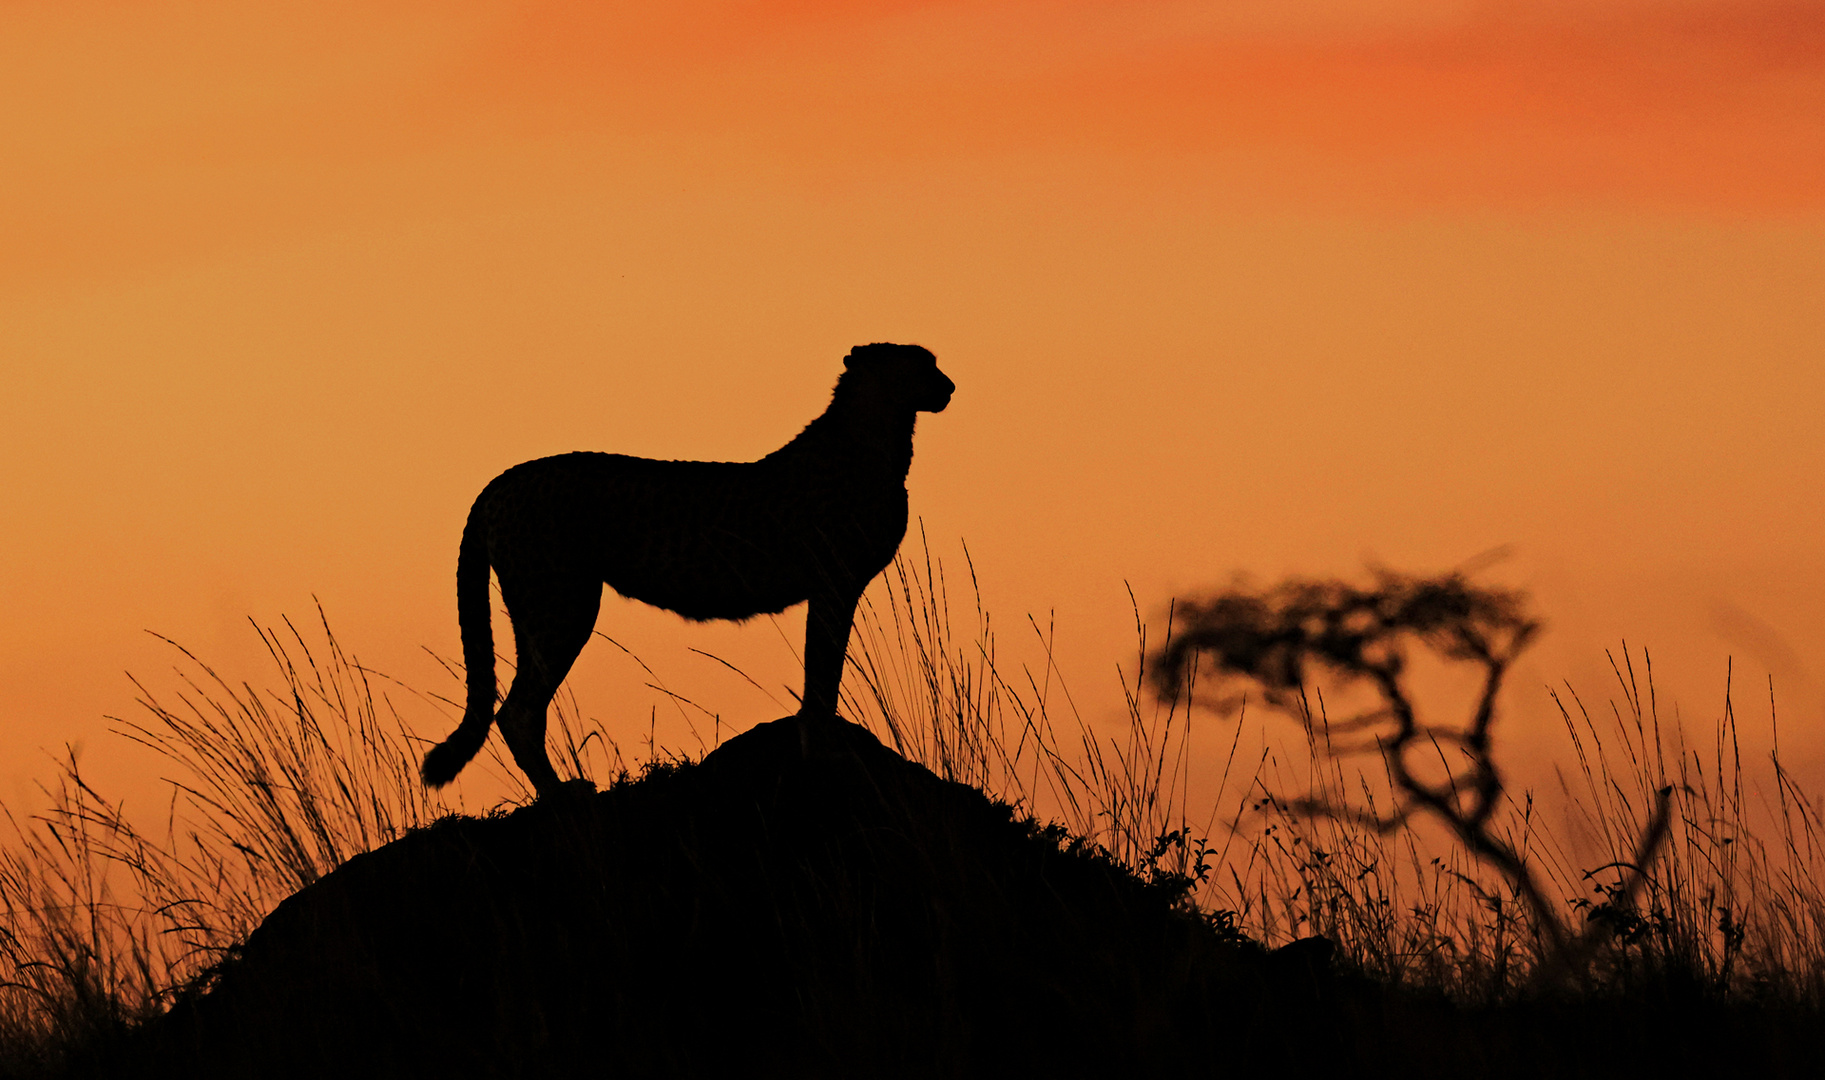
{"points": [[852, 435]]}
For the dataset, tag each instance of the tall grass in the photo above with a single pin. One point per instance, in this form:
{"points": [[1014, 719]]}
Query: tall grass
{"points": [[942, 699], [272, 789], [103, 921], [1731, 906], [1730, 909], [1736, 905]]}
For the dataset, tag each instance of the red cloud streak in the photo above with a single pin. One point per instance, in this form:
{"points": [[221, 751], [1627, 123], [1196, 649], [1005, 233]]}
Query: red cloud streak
{"points": [[1698, 106]]}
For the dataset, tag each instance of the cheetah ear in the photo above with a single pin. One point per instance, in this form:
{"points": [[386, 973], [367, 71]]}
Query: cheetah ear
{"points": [[862, 352]]}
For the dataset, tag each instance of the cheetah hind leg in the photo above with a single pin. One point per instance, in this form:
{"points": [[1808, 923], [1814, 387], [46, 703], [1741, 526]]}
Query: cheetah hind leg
{"points": [[551, 624]]}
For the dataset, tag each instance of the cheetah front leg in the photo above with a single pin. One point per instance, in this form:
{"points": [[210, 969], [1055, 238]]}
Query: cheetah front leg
{"points": [[827, 622]]}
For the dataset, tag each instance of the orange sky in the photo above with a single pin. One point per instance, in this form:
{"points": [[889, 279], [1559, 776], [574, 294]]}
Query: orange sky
{"points": [[1223, 287]]}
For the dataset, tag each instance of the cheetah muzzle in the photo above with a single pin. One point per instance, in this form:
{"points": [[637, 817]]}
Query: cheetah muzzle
{"points": [[813, 521]]}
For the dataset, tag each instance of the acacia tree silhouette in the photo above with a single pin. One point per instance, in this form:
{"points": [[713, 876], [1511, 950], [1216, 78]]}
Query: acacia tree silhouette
{"points": [[1272, 638]]}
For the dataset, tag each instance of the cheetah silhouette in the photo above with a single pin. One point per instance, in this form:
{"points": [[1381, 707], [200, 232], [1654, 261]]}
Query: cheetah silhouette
{"points": [[813, 521]]}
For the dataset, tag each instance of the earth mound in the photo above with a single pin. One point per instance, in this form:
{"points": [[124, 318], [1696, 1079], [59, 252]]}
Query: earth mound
{"points": [[764, 912]]}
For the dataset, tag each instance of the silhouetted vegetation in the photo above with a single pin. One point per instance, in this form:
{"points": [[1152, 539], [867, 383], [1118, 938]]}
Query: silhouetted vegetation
{"points": [[1274, 639], [311, 910], [1672, 889]]}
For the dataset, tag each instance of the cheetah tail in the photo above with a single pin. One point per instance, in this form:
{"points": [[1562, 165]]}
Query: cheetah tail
{"points": [[474, 614]]}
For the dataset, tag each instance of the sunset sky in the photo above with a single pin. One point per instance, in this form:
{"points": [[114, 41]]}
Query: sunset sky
{"points": [[1226, 287]]}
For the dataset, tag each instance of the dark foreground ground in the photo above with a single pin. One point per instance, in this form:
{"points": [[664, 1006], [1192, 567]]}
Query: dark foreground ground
{"points": [[845, 915]]}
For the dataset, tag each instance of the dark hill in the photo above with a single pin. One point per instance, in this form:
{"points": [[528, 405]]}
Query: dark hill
{"points": [[847, 914], [761, 912]]}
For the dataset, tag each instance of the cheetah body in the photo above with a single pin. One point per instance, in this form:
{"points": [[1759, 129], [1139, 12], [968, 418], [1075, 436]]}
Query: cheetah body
{"points": [[813, 521]]}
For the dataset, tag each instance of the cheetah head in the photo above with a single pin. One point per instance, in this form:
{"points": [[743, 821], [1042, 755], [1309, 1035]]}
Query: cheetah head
{"points": [[907, 373]]}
